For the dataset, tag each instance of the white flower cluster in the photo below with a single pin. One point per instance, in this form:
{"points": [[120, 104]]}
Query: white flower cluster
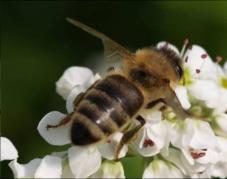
{"points": [[171, 147]]}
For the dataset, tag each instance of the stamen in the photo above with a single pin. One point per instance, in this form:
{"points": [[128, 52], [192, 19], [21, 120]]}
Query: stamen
{"points": [[186, 42], [147, 143], [219, 59]]}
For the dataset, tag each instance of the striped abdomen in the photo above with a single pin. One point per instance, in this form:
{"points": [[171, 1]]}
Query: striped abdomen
{"points": [[105, 109]]}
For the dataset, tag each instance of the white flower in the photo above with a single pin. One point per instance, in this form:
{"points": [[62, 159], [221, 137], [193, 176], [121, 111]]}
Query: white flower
{"points": [[8, 151], [110, 169], [150, 140], [48, 167], [196, 140], [162, 169]]}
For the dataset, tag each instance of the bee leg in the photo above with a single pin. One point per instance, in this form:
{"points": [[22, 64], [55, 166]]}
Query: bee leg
{"points": [[171, 100], [61, 123], [67, 118], [128, 136], [154, 103]]}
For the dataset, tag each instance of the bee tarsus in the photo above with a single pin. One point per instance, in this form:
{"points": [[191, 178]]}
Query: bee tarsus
{"points": [[129, 135]]}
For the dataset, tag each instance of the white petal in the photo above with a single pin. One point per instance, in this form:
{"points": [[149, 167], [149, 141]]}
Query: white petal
{"points": [[191, 166], [50, 167], [199, 135], [8, 151], [175, 131], [170, 46], [72, 96], [95, 78], [207, 91], [225, 67], [221, 125], [196, 61], [159, 169], [71, 77], [108, 149], [181, 93], [84, 161], [175, 159], [222, 148], [221, 107], [110, 169], [24, 170], [211, 157], [67, 172], [219, 170], [152, 117], [54, 136]]}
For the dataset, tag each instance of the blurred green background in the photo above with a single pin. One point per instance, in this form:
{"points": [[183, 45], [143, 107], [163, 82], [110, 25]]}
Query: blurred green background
{"points": [[37, 45]]}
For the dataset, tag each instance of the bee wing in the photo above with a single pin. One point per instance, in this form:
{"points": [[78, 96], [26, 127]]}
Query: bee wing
{"points": [[112, 50]]}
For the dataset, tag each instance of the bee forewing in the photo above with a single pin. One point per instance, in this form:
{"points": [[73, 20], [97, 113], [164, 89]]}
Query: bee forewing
{"points": [[112, 50]]}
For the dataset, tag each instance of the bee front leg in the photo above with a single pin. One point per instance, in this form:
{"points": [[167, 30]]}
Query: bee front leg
{"points": [[171, 100], [128, 136]]}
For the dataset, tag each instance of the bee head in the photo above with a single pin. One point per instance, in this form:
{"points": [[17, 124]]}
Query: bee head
{"points": [[154, 65]]}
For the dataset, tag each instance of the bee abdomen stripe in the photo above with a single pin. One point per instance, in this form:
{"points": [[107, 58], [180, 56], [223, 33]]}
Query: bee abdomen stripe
{"points": [[100, 99], [122, 90], [84, 131], [99, 118]]}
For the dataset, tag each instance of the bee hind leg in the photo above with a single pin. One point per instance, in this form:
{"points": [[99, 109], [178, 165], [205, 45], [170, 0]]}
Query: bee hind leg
{"points": [[68, 117], [64, 121], [128, 136]]}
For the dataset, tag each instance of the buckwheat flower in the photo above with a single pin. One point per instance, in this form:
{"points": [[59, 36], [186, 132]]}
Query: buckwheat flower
{"points": [[110, 169], [159, 168], [8, 150], [150, 140], [196, 140]]}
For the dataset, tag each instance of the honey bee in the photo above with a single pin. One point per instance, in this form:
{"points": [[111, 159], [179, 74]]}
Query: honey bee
{"points": [[146, 77]]}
